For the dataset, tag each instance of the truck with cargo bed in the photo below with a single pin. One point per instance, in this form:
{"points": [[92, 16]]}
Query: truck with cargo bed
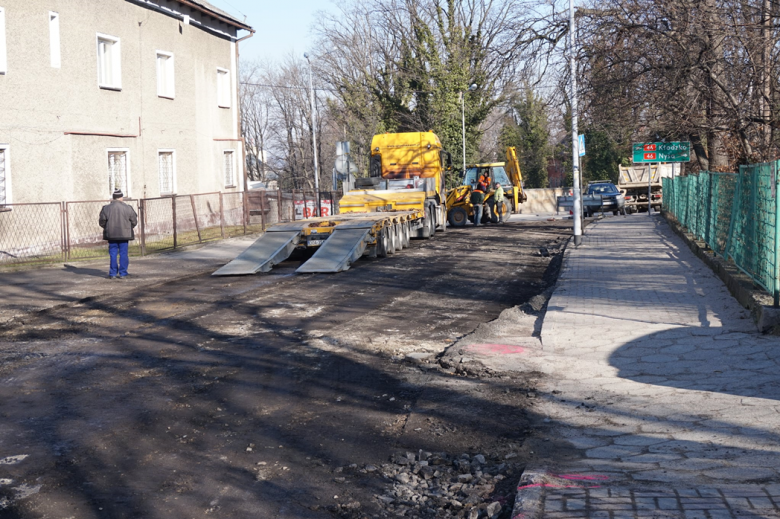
{"points": [[402, 198]]}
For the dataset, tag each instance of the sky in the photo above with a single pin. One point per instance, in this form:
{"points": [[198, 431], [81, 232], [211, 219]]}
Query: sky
{"points": [[281, 27]]}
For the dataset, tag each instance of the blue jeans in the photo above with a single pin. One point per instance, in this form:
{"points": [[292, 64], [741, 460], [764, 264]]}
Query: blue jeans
{"points": [[477, 214], [118, 248]]}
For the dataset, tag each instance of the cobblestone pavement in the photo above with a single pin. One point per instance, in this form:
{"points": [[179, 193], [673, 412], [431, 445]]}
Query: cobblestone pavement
{"points": [[659, 378]]}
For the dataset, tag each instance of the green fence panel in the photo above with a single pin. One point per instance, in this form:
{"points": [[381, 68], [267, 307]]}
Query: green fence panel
{"points": [[735, 214]]}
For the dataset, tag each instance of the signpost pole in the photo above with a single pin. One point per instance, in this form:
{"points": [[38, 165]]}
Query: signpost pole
{"points": [[650, 187]]}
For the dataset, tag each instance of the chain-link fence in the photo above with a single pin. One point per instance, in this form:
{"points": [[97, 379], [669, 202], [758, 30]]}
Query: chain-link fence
{"points": [[31, 233], [735, 214], [51, 232]]}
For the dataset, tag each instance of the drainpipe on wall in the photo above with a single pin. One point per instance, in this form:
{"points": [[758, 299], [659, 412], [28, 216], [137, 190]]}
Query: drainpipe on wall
{"points": [[238, 107]]}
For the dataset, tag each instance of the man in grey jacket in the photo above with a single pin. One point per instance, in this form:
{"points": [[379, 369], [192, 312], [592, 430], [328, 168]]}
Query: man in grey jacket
{"points": [[118, 220]]}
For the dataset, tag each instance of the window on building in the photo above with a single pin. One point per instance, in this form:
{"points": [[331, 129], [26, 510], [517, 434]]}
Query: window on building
{"points": [[165, 83], [166, 163], [3, 177], [223, 88], [54, 39], [109, 62], [229, 168], [3, 59], [117, 171]]}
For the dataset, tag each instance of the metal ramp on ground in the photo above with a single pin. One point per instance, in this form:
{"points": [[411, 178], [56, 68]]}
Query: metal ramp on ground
{"points": [[342, 248], [268, 250]]}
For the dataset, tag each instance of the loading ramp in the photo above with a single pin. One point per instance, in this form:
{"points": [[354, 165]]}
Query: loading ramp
{"points": [[343, 247], [268, 250]]}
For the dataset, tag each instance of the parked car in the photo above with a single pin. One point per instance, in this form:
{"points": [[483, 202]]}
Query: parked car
{"points": [[603, 196]]}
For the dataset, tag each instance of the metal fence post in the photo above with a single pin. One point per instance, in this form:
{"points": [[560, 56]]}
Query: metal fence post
{"points": [[221, 216], [67, 229], [173, 210], [777, 236], [195, 216], [262, 209], [245, 203], [63, 237], [142, 210]]}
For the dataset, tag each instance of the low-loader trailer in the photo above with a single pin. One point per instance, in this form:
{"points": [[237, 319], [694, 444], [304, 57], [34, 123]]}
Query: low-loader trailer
{"points": [[403, 198]]}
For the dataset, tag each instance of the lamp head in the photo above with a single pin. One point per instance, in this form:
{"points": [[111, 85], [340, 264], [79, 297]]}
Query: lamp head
{"points": [[473, 87], [306, 55]]}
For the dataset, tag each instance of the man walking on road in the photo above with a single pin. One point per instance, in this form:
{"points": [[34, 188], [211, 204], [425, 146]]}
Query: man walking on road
{"points": [[118, 220]]}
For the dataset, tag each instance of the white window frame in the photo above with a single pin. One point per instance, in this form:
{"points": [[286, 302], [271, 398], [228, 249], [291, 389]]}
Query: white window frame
{"points": [[128, 178], [6, 148], [174, 185], [223, 88], [232, 154], [165, 70], [54, 39], [3, 50], [115, 82]]}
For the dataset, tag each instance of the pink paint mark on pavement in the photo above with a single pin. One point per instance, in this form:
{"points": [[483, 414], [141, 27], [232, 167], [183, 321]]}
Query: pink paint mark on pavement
{"points": [[500, 349]]}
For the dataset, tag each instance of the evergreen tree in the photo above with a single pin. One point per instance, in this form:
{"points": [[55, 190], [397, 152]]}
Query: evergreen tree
{"points": [[527, 129]]}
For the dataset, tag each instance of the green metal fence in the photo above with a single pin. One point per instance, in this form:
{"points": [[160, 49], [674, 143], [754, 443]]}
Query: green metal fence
{"points": [[735, 214]]}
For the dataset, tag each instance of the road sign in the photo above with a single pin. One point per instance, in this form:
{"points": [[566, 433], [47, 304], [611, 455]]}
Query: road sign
{"points": [[581, 145], [662, 151]]}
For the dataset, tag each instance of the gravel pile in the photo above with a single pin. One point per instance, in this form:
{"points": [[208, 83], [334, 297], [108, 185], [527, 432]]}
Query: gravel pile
{"points": [[439, 485]]}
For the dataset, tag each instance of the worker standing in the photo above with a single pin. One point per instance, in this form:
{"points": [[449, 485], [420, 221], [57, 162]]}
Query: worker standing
{"points": [[478, 198], [498, 203]]}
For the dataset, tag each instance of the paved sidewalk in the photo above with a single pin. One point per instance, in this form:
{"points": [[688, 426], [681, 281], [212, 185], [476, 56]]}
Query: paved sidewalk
{"points": [[35, 289], [658, 378]]}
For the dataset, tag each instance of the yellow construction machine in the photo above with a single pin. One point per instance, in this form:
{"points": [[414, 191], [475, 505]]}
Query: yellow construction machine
{"points": [[459, 207], [402, 198]]}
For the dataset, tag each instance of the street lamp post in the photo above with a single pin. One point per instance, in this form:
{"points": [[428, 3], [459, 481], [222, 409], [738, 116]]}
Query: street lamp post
{"points": [[314, 137], [463, 121], [575, 152]]}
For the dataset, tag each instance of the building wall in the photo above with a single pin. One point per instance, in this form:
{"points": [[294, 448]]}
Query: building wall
{"points": [[542, 201], [40, 104]]}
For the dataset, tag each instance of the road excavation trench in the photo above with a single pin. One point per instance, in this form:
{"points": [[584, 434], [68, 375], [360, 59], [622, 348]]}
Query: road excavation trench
{"points": [[277, 395]]}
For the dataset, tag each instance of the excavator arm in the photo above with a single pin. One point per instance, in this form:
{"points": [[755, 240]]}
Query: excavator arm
{"points": [[515, 175]]}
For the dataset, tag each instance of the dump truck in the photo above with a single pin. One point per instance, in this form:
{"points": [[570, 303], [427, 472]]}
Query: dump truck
{"points": [[402, 198], [635, 180], [508, 174]]}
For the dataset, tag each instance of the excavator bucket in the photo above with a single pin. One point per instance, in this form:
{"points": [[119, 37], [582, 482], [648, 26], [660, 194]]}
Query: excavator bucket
{"points": [[268, 250]]}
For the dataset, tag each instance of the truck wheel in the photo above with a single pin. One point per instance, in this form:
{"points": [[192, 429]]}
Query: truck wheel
{"points": [[615, 213], [393, 243], [457, 217], [406, 234], [382, 243], [429, 226], [432, 220]]}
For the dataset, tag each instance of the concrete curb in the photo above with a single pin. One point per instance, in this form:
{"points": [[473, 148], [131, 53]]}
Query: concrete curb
{"points": [[766, 317], [528, 498]]}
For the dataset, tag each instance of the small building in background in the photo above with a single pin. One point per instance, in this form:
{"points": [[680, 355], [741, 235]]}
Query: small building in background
{"points": [[555, 174], [139, 95]]}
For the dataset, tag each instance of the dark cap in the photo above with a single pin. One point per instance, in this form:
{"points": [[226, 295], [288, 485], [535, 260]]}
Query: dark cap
{"points": [[118, 194]]}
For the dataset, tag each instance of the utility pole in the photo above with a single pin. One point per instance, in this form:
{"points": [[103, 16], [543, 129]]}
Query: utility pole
{"points": [[575, 152], [314, 138]]}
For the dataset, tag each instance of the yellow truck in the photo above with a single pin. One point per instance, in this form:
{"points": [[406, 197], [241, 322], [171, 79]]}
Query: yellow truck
{"points": [[402, 198], [508, 174]]}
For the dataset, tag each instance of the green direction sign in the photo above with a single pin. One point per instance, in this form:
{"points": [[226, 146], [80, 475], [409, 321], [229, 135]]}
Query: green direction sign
{"points": [[662, 151]]}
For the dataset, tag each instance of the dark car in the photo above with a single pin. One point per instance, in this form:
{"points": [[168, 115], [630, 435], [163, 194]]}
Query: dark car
{"points": [[611, 198]]}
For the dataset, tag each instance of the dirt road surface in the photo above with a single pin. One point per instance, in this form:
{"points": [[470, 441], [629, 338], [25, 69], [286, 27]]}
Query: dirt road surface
{"points": [[277, 395]]}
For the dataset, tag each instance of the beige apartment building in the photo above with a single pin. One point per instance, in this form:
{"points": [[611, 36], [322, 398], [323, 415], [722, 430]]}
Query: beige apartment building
{"points": [[133, 94]]}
